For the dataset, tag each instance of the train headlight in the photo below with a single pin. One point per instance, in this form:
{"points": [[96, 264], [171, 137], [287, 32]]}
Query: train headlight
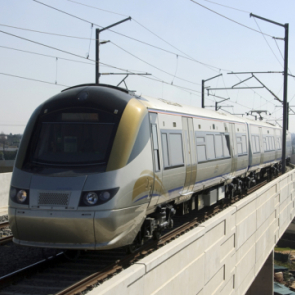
{"points": [[95, 198], [90, 198], [104, 196], [20, 196]]}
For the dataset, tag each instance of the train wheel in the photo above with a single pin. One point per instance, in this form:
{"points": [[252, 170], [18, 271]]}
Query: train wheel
{"points": [[156, 235]]}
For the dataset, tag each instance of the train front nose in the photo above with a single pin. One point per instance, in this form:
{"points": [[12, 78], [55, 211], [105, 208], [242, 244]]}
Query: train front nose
{"points": [[52, 219]]}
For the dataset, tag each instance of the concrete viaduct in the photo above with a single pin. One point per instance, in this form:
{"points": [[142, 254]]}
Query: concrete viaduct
{"points": [[229, 254]]}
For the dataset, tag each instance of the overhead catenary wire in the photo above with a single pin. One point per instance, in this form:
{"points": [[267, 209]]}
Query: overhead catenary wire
{"points": [[153, 65], [48, 33], [67, 52], [90, 41], [67, 59], [213, 68], [268, 43], [191, 91], [177, 86], [83, 4], [93, 39], [41, 44], [228, 19], [31, 79], [278, 48], [175, 69], [46, 55], [54, 48], [88, 38], [253, 89], [162, 39], [226, 6]]}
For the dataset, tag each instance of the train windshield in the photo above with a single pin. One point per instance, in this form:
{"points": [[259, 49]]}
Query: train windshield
{"points": [[74, 139]]}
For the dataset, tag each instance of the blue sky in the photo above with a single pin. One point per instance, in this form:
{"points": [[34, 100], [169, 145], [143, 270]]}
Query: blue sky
{"points": [[201, 45]]}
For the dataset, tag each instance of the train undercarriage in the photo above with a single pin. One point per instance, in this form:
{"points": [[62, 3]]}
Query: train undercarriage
{"points": [[156, 223]]}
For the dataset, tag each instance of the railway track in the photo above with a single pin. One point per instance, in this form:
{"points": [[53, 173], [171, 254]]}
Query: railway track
{"points": [[4, 224], [5, 233], [56, 275]]}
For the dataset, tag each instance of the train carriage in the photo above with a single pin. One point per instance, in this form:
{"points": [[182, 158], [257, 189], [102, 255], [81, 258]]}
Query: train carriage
{"points": [[100, 168]]}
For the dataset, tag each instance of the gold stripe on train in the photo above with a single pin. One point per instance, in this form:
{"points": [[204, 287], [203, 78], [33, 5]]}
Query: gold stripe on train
{"points": [[144, 184], [126, 134]]}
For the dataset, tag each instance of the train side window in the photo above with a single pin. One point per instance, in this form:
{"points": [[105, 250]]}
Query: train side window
{"points": [[165, 149], [172, 150], [156, 147], [210, 147], [254, 144], [244, 144], [218, 146], [176, 152], [265, 144], [273, 143], [279, 144], [201, 149], [257, 144], [200, 139], [270, 143], [239, 145], [226, 145]]}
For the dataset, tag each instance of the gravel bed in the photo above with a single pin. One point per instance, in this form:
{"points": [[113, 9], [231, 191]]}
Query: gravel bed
{"points": [[5, 231], [4, 218]]}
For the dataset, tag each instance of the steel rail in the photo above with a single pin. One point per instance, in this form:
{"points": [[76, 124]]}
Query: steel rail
{"points": [[4, 224], [5, 240]]}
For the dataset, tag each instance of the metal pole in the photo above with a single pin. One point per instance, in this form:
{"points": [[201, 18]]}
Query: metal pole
{"points": [[288, 116], [203, 88], [97, 74], [97, 56], [216, 106], [203, 97], [285, 110]]}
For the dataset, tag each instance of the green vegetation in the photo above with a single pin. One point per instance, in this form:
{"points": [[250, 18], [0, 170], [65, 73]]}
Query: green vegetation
{"points": [[278, 249]]}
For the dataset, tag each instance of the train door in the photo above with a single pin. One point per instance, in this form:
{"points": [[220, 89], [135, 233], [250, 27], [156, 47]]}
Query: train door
{"points": [[156, 186], [234, 155], [189, 154]]}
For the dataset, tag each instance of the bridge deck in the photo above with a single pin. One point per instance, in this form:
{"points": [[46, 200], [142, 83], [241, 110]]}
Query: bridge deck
{"points": [[221, 256]]}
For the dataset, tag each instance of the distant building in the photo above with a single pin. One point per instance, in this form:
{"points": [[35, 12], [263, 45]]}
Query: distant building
{"points": [[3, 136]]}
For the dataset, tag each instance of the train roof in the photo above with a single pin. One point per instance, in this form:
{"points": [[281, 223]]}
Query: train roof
{"points": [[169, 106], [159, 103]]}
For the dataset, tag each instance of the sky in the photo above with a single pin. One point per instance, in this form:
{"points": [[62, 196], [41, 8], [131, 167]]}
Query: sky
{"points": [[178, 42]]}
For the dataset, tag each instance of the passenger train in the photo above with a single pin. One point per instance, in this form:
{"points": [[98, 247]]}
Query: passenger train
{"points": [[99, 167]]}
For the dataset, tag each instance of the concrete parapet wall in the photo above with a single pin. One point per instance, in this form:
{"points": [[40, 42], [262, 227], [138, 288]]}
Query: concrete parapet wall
{"points": [[5, 179], [221, 256]]}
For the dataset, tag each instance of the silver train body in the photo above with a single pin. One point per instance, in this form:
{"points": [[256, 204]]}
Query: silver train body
{"points": [[98, 167]]}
